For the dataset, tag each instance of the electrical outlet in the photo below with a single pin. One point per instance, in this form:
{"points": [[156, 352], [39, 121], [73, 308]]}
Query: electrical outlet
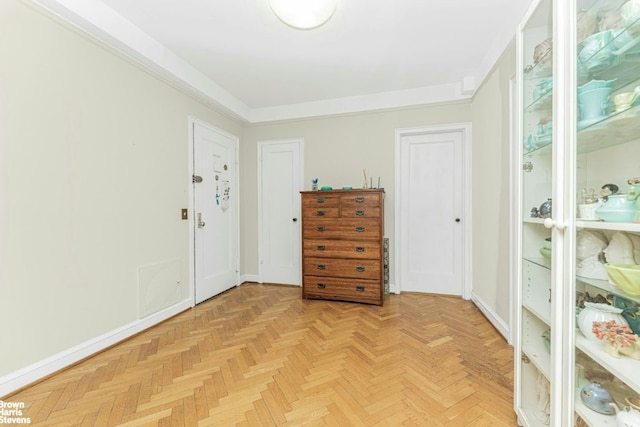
{"points": [[185, 214]]}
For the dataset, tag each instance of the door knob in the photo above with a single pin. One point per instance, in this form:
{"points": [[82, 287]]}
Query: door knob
{"points": [[457, 219], [295, 219], [550, 223], [201, 223]]}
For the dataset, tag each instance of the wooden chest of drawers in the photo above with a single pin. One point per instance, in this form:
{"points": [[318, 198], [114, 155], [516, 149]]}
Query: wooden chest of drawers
{"points": [[342, 252]]}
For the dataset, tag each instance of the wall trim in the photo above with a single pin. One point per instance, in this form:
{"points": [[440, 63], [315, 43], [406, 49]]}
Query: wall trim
{"points": [[249, 278], [492, 316], [30, 374]]}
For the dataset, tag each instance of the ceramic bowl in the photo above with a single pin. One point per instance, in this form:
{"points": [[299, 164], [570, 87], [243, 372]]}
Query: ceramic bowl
{"points": [[546, 253], [625, 276], [615, 216], [595, 84], [596, 51], [546, 243]]}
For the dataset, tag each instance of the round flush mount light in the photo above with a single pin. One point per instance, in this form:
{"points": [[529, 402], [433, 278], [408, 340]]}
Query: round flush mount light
{"points": [[304, 14]]}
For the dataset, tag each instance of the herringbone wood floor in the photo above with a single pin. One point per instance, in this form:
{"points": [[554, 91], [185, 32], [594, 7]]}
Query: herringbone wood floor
{"points": [[260, 355]]}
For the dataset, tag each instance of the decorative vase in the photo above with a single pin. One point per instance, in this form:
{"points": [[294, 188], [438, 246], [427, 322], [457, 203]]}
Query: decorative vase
{"points": [[632, 351], [596, 312], [597, 398], [612, 350]]}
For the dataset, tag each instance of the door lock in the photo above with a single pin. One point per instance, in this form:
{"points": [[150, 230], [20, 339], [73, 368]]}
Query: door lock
{"points": [[201, 223]]}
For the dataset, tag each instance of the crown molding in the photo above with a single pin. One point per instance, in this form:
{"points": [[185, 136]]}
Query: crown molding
{"points": [[103, 24]]}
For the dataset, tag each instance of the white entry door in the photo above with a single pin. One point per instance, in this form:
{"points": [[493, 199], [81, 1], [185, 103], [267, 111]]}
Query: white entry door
{"points": [[429, 213], [280, 179], [216, 196]]}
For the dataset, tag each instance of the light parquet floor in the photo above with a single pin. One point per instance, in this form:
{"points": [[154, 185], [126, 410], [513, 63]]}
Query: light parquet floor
{"points": [[259, 355]]}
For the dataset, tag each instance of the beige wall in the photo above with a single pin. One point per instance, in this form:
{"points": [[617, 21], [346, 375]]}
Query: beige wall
{"points": [[93, 173], [491, 193], [336, 150]]}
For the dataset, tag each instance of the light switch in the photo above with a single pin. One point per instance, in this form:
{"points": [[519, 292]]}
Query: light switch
{"points": [[185, 214]]}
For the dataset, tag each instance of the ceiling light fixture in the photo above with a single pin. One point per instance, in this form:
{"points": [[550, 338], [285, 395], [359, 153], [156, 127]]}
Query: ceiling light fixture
{"points": [[304, 14]]}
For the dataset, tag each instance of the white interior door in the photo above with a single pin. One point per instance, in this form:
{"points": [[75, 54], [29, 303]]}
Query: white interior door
{"points": [[216, 233], [280, 179], [430, 246]]}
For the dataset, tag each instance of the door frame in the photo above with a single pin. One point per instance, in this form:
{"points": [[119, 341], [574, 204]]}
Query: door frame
{"points": [[465, 128], [192, 121], [262, 143]]}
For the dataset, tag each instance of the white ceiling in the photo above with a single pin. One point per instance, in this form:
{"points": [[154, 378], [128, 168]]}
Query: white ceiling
{"points": [[371, 54]]}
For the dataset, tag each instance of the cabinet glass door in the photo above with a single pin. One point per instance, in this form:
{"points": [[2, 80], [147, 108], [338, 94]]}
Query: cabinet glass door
{"points": [[534, 376], [607, 232]]}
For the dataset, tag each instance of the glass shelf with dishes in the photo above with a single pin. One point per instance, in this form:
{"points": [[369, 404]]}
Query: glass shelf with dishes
{"points": [[606, 238], [590, 167]]}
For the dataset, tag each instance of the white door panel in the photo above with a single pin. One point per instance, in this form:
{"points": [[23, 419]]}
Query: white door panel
{"points": [[280, 185], [431, 207], [216, 209]]}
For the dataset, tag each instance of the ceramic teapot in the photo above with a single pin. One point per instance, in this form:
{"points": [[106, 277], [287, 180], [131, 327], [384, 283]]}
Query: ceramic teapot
{"points": [[597, 398], [627, 416]]}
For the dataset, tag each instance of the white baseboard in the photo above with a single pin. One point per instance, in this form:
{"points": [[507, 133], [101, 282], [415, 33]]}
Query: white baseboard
{"points": [[493, 318], [36, 371], [249, 278]]}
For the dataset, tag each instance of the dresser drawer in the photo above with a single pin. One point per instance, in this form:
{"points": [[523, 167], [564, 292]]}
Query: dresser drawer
{"points": [[320, 200], [359, 200], [360, 212], [353, 229], [357, 268], [321, 212], [349, 289], [368, 249]]}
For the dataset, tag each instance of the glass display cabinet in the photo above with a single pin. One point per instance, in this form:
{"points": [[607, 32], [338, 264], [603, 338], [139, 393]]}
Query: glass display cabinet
{"points": [[577, 351]]}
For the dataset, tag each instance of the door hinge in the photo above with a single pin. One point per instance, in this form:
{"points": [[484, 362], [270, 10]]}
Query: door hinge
{"points": [[196, 178]]}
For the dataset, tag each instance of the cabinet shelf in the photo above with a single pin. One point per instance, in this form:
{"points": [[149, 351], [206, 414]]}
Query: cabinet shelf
{"points": [[538, 313], [542, 262], [606, 286], [626, 369], [540, 358], [614, 129], [591, 417], [614, 226], [542, 103]]}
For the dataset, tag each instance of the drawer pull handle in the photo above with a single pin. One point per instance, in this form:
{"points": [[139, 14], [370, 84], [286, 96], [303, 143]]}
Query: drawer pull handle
{"points": [[359, 248], [360, 213], [320, 213], [320, 200], [321, 247], [360, 288], [360, 268], [359, 199], [359, 229], [320, 228], [321, 267], [321, 286]]}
